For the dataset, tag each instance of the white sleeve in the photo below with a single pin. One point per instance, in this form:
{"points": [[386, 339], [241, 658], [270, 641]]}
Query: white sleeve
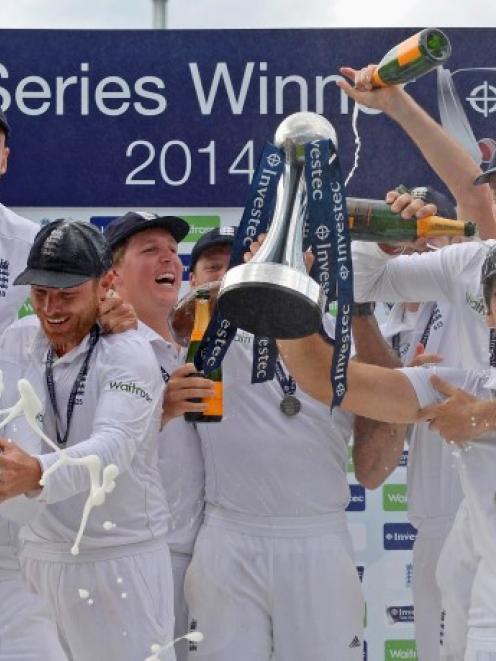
{"points": [[420, 379], [430, 276], [123, 419]]}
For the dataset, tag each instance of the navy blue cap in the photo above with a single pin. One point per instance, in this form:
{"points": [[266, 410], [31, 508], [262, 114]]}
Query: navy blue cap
{"points": [[220, 236], [4, 125], [66, 253], [488, 172], [132, 222]]}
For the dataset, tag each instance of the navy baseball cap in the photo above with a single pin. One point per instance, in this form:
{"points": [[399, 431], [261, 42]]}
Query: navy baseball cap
{"points": [[488, 172], [220, 236], [66, 253], [132, 222], [445, 205], [4, 125]]}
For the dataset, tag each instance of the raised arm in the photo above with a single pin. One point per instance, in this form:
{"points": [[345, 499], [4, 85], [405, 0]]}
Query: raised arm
{"points": [[443, 153]]}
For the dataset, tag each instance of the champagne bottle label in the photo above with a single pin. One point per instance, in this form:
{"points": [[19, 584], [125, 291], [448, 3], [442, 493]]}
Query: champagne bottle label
{"points": [[412, 58], [213, 412]]}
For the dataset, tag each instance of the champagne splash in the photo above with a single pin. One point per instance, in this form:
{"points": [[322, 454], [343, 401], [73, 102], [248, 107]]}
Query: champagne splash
{"points": [[192, 636], [358, 142], [102, 482]]}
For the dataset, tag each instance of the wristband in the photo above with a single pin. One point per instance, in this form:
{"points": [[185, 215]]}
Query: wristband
{"points": [[363, 309]]}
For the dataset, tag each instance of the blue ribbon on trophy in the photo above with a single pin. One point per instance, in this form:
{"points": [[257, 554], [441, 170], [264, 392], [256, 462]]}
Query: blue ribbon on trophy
{"points": [[256, 217], [326, 231]]}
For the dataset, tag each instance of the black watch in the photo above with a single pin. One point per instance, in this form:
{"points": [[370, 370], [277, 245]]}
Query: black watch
{"points": [[363, 309]]}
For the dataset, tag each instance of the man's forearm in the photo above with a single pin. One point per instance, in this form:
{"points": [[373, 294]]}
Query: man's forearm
{"points": [[453, 165], [377, 446]]}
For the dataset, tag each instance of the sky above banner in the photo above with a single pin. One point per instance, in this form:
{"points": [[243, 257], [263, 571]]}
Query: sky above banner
{"points": [[200, 14]]}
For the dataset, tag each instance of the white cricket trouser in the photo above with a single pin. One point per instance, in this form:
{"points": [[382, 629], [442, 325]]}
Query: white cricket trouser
{"points": [[27, 631], [112, 609], [426, 593], [455, 575], [258, 586], [180, 563], [481, 645]]}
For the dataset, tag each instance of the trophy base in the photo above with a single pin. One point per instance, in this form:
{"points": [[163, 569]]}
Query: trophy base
{"points": [[271, 300]]}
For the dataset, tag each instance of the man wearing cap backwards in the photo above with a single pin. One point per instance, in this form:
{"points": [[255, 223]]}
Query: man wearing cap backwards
{"points": [[102, 395], [451, 277], [404, 396], [272, 571], [148, 274]]}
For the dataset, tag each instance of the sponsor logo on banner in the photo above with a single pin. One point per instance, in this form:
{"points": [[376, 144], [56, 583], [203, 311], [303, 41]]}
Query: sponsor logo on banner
{"points": [[403, 459], [357, 498], [394, 498], [399, 614], [186, 260], [26, 309], [199, 225], [360, 571], [399, 536], [350, 466], [399, 650]]}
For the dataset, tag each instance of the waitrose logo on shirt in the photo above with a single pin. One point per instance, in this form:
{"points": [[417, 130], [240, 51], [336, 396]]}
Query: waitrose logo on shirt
{"points": [[131, 388]]}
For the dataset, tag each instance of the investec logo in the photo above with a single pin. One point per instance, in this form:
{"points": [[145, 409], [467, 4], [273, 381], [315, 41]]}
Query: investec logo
{"points": [[394, 498], [404, 650], [357, 498], [399, 614], [399, 536]]}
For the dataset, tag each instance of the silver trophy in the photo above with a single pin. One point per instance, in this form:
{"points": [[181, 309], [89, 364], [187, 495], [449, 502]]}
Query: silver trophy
{"points": [[272, 295]]}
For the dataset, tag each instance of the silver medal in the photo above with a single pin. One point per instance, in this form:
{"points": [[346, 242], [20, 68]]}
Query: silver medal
{"points": [[290, 405]]}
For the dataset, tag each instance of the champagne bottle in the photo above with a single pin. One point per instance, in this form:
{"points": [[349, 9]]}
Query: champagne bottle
{"points": [[373, 220], [213, 412], [412, 58]]}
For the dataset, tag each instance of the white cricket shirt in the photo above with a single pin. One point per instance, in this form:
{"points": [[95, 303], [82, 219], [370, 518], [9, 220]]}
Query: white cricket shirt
{"points": [[116, 416], [261, 462], [434, 490], [451, 275], [180, 459], [16, 237]]}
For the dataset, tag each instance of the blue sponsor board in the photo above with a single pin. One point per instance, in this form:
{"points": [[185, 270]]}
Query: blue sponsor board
{"points": [[399, 536], [365, 656], [357, 498], [360, 571], [403, 459], [178, 119]]}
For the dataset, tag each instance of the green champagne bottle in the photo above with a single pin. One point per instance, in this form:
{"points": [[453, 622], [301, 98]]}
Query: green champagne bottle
{"points": [[412, 58], [214, 410], [373, 220]]}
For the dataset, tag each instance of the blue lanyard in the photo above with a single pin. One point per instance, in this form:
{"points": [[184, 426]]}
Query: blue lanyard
{"points": [[287, 383], [83, 372], [395, 340]]}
